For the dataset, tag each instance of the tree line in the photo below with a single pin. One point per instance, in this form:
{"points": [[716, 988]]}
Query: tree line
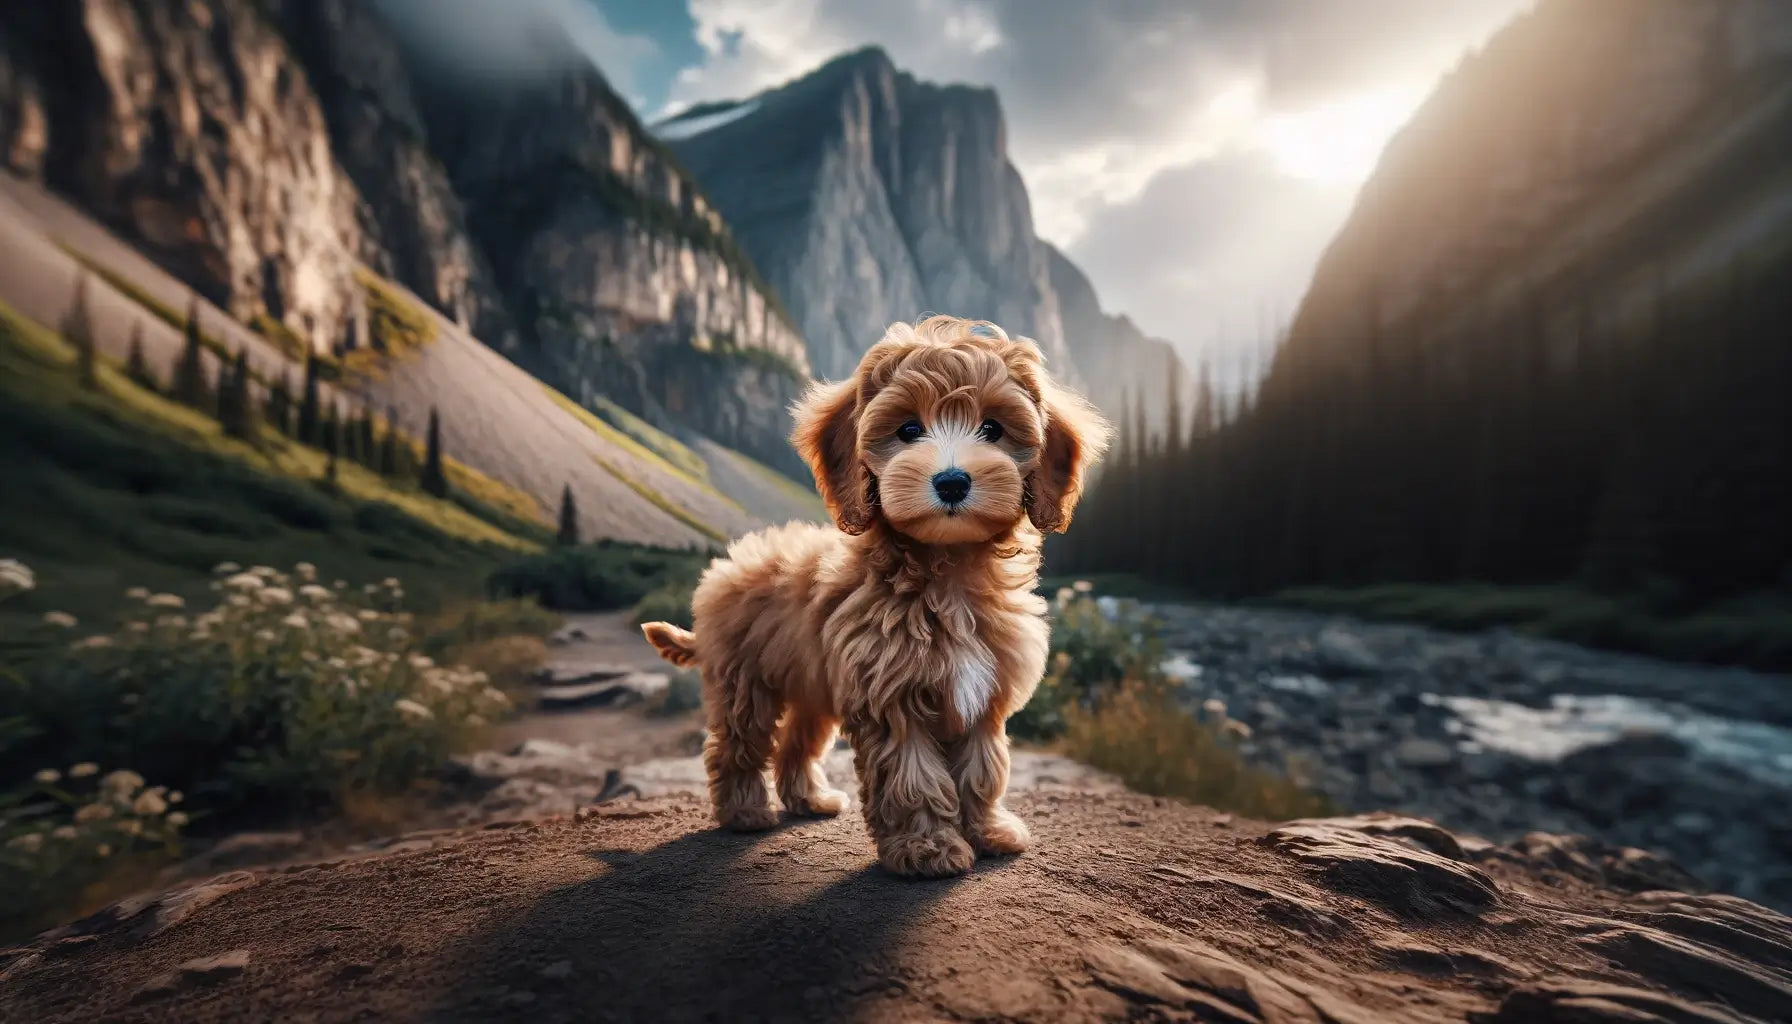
{"points": [[1553, 442]]}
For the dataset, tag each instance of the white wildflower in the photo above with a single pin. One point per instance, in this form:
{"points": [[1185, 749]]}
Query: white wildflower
{"points": [[296, 620], [93, 812], [266, 636], [396, 635], [314, 593], [1064, 595], [64, 832], [121, 785], [175, 796], [1082, 586], [103, 850], [347, 625], [420, 662], [172, 622], [413, 710], [149, 803], [59, 620], [165, 601], [349, 686], [368, 615], [30, 842], [441, 685], [275, 596], [496, 696], [239, 601], [1214, 707], [92, 643], [226, 568], [83, 770], [371, 588], [47, 776], [138, 627], [176, 820], [310, 657], [391, 583], [131, 827], [244, 581], [1236, 728], [137, 593], [266, 572], [305, 571], [339, 585], [15, 577]]}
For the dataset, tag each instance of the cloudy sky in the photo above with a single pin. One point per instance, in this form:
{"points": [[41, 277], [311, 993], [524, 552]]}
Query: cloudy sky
{"points": [[1193, 156]]}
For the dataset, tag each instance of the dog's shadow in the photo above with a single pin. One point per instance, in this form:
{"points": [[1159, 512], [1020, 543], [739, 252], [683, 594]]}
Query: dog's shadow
{"points": [[708, 926]]}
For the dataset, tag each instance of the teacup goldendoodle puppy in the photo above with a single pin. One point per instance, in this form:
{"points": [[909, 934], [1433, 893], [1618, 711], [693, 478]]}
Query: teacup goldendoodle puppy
{"points": [[915, 623]]}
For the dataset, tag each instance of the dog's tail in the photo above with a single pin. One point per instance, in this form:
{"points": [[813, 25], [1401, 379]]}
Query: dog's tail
{"points": [[678, 646]]}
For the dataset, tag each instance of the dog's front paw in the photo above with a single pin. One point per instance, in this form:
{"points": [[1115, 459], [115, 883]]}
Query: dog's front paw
{"points": [[1000, 834], [818, 803], [749, 818], [936, 854]]}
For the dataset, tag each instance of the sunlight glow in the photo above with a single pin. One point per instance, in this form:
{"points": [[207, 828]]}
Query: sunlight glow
{"points": [[1338, 142]]}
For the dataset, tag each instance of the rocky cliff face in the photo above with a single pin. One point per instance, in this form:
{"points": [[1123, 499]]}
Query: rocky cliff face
{"points": [[869, 197], [188, 128], [260, 150], [1594, 152], [1121, 367]]}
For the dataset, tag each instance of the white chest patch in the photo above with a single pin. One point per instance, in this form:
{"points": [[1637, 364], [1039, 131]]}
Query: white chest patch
{"points": [[975, 681]]}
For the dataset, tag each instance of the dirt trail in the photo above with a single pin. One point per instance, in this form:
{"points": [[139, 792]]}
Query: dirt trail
{"points": [[1129, 908]]}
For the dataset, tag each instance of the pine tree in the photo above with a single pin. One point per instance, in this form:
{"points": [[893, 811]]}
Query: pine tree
{"points": [[190, 386], [236, 405], [279, 409], [77, 327], [568, 537], [433, 480], [308, 432], [330, 433], [388, 466], [364, 439], [136, 366]]}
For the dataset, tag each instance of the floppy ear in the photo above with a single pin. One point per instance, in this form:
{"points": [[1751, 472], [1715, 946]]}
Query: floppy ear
{"points": [[827, 438], [1075, 436]]}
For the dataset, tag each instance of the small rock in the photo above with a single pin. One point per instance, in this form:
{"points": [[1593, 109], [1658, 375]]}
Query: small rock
{"points": [[205, 970], [1424, 753], [1341, 653]]}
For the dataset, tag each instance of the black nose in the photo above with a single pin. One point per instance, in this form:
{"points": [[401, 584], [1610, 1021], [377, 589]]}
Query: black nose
{"points": [[952, 485]]}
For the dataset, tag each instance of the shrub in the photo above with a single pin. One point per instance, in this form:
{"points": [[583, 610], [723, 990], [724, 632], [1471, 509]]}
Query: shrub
{"points": [[64, 830], [605, 576], [287, 692], [1096, 645], [668, 603], [1106, 702], [684, 692]]}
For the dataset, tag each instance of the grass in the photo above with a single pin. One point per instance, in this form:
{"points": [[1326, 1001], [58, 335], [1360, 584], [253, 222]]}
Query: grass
{"points": [[1145, 738], [663, 503], [123, 486], [1754, 631], [622, 439], [396, 327], [657, 441], [806, 497]]}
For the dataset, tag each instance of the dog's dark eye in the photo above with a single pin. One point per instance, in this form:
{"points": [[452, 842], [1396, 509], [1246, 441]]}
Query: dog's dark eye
{"points": [[990, 431], [909, 432]]}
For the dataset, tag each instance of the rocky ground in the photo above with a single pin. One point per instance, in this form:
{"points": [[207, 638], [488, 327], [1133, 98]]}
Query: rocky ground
{"points": [[1129, 908], [1501, 735]]}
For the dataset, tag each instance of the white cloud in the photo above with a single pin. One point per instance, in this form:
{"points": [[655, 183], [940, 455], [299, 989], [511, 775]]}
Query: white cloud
{"points": [[1127, 120]]}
